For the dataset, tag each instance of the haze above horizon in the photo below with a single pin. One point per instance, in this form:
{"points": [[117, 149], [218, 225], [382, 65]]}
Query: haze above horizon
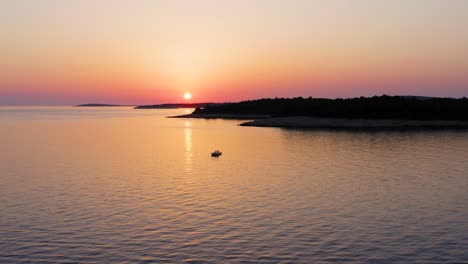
{"points": [[148, 52]]}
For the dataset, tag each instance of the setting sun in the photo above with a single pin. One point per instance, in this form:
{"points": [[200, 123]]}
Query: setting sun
{"points": [[320, 131], [187, 96]]}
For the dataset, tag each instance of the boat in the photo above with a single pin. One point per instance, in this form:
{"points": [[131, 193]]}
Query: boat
{"points": [[216, 153]]}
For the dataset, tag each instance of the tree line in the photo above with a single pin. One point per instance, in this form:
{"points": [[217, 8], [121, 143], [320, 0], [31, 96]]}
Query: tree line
{"points": [[377, 107]]}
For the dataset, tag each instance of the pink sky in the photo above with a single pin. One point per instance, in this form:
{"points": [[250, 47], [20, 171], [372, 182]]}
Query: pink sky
{"points": [[142, 52]]}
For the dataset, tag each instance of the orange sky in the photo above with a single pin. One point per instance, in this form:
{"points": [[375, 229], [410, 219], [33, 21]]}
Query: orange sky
{"points": [[139, 52]]}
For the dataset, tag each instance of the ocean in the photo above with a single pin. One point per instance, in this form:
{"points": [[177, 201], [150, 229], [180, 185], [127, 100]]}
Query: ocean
{"points": [[118, 185]]}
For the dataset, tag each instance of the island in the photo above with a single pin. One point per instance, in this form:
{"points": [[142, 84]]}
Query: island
{"points": [[100, 105], [222, 116], [361, 112], [175, 106]]}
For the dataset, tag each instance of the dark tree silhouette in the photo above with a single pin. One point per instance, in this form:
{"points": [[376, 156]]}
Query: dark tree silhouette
{"points": [[377, 107]]}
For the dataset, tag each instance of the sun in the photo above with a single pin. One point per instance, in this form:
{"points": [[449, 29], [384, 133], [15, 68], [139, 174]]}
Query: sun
{"points": [[187, 96]]}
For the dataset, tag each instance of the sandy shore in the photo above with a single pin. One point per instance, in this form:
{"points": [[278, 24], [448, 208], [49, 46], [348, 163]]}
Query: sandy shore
{"points": [[222, 116], [338, 123]]}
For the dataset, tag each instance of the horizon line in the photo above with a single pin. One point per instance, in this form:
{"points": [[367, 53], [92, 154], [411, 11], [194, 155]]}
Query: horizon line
{"points": [[212, 102]]}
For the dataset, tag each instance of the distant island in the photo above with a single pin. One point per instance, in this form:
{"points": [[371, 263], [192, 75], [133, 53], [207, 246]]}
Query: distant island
{"points": [[362, 112], [175, 106], [156, 106], [100, 105]]}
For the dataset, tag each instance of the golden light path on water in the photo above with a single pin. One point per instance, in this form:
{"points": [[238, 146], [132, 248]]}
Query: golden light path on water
{"points": [[188, 146]]}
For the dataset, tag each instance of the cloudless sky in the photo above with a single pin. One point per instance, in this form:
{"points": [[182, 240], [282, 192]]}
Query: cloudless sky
{"points": [[58, 52]]}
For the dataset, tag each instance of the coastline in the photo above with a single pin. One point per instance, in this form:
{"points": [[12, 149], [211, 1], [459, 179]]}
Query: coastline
{"points": [[102, 105], [223, 116], [174, 106], [341, 123], [332, 123]]}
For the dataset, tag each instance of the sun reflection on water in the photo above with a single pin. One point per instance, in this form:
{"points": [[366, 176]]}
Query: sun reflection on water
{"points": [[188, 146]]}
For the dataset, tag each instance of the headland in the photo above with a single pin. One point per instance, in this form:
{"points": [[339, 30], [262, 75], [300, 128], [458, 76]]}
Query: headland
{"points": [[362, 112]]}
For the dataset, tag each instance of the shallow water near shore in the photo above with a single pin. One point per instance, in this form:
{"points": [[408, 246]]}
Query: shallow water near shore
{"points": [[100, 185]]}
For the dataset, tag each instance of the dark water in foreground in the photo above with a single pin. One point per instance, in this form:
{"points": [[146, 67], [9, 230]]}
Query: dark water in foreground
{"points": [[100, 185]]}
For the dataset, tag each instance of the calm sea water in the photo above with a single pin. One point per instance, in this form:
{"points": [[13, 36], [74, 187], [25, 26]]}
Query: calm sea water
{"points": [[101, 185]]}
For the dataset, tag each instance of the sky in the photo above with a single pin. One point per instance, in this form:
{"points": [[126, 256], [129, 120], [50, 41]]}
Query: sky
{"points": [[62, 52]]}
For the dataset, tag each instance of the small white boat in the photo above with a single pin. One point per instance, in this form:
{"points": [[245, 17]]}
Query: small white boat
{"points": [[216, 153]]}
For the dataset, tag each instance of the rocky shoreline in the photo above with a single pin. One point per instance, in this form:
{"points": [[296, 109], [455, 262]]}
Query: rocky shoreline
{"points": [[340, 123], [332, 123]]}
